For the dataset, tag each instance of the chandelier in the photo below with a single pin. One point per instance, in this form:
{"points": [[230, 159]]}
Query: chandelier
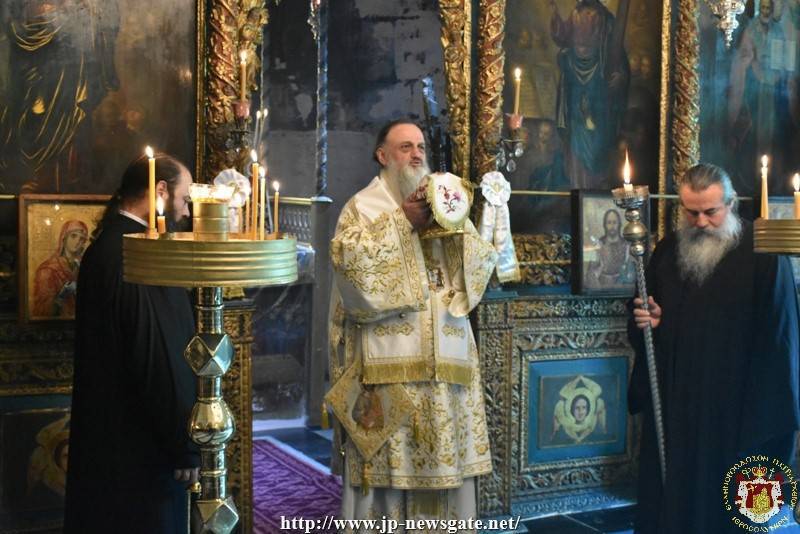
{"points": [[726, 12]]}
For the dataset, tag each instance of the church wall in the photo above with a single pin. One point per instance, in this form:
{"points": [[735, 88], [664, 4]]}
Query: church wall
{"points": [[378, 52]]}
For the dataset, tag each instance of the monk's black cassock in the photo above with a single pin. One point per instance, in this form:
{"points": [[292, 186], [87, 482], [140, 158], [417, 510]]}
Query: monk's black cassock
{"points": [[727, 356], [132, 396]]}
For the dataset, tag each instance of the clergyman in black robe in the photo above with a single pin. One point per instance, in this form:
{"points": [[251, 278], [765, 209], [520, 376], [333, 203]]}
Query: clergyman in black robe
{"points": [[130, 455], [726, 345]]}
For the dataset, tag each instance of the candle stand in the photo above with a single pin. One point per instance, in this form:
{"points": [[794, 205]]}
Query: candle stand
{"points": [[635, 232], [209, 259]]}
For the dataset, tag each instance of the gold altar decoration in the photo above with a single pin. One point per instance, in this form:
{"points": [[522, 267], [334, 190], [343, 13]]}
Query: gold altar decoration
{"points": [[456, 21]]}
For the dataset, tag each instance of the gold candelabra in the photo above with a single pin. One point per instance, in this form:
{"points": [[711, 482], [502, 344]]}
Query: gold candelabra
{"points": [[208, 259]]}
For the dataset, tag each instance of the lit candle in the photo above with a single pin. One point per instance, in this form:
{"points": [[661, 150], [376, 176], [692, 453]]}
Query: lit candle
{"points": [[161, 221], [517, 81], [764, 190], [262, 184], [277, 187], [151, 191], [254, 196], [243, 75], [626, 174], [796, 184]]}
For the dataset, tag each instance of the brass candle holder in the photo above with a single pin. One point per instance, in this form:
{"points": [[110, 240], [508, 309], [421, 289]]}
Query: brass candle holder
{"points": [[632, 199], [776, 236], [209, 259]]}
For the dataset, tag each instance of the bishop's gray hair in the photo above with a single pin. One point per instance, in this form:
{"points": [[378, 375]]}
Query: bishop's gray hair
{"points": [[704, 175]]}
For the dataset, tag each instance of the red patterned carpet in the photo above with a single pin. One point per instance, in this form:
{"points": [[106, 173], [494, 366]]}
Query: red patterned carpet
{"points": [[286, 486]]}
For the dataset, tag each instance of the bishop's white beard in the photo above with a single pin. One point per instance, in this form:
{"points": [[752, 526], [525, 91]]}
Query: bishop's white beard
{"points": [[701, 249], [407, 177]]}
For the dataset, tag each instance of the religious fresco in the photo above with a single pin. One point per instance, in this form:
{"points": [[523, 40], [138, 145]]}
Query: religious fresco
{"points": [[588, 91], [35, 445], [576, 408], [83, 89], [749, 99]]}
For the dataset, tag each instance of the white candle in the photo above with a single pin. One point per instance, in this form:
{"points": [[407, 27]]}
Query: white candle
{"points": [[262, 184], [254, 195], [151, 188], [517, 81], [764, 189], [277, 187], [161, 222], [243, 75], [626, 174]]}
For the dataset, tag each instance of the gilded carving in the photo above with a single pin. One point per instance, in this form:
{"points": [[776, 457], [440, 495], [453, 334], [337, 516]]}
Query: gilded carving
{"points": [[494, 491], [511, 334], [456, 21], [489, 91], [544, 259], [35, 360], [233, 27], [236, 389], [686, 104]]}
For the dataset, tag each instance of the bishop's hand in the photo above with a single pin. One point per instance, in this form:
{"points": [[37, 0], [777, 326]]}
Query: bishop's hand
{"points": [[417, 210], [651, 316]]}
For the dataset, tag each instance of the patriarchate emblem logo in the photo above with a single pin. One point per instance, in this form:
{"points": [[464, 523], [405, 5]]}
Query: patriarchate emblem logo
{"points": [[757, 487], [759, 497]]}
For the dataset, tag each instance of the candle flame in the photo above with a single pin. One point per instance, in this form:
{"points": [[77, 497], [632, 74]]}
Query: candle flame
{"points": [[262, 172], [796, 182], [243, 56], [264, 113], [276, 185], [258, 114], [149, 152], [764, 160], [517, 74], [254, 156], [160, 206], [626, 169]]}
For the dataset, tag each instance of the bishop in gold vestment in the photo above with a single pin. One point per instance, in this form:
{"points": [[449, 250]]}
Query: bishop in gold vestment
{"points": [[414, 432]]}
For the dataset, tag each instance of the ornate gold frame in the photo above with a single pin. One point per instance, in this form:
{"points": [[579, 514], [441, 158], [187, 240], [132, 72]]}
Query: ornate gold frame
{"points": [[510, 333], [456, 21]]}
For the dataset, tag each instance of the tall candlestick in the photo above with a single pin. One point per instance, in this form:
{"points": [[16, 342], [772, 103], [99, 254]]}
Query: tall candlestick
{"points": [[626, 174], [764, 189], [796, 184], [517, 81], [151, 188], [277, 187], [243, 75], [262, 184], [161, 222], [254, 196]]}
